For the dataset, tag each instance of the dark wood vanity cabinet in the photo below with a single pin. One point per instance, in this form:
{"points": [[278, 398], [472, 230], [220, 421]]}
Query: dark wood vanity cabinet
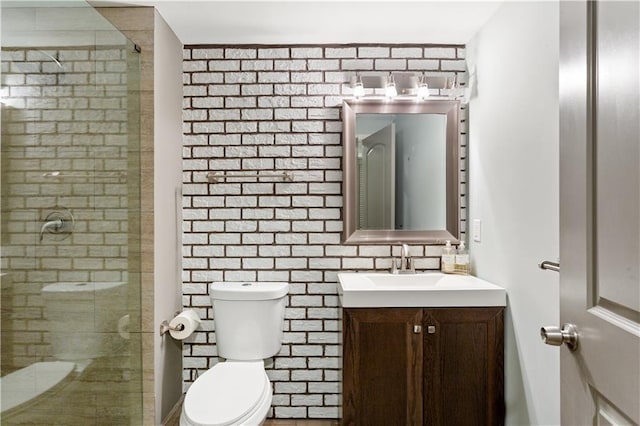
{"points": [[415, 366], [382, 367]]}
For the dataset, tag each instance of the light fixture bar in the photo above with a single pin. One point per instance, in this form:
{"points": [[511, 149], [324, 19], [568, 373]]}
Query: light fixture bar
{"points": [[403, 85]]}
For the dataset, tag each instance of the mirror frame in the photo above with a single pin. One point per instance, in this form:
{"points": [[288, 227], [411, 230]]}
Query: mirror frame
{"points": [[351, 233]]}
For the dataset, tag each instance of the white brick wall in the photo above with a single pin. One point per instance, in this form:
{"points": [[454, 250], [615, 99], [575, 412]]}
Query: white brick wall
{"points": [[275, 108]]}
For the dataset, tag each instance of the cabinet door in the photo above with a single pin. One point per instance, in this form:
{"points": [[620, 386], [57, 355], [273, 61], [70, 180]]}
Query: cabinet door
{"points": [[382, 367], [463, 366]]}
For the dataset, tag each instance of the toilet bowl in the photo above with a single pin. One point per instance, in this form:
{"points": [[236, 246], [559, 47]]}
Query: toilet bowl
{"points": [[249, 328], [231, 393]]}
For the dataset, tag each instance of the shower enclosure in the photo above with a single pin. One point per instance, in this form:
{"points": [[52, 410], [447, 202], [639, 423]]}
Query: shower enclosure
{"points": [[70, 218]]}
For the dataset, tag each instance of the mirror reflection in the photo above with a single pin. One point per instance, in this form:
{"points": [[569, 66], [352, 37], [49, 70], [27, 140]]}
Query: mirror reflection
{"points": [[400, 171]]}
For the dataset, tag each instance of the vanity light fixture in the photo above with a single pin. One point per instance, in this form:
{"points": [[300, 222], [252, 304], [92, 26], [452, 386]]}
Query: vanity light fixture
{"points": [[402, 86], [423, 88], [358, 88], [390, 90]]}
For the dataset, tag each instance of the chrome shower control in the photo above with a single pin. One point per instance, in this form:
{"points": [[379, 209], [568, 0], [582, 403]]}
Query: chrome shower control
{"points": [[59, 223]]}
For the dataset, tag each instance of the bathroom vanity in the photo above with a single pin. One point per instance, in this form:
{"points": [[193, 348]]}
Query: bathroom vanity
{"points": [[427, 349]]}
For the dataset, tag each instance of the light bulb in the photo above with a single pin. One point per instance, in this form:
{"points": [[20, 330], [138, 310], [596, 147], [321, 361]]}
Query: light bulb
{"points": [[390, 90], [358, 89], [423, 90]]}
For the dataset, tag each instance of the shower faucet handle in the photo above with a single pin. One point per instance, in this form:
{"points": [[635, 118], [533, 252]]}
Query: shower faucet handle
{"points": [[52, 226], [59, 222]]}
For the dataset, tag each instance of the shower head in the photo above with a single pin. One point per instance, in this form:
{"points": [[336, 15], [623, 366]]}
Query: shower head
{"points": [[53, 58]]}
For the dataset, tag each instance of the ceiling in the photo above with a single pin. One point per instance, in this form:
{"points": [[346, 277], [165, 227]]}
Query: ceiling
{"points": [[320, 22]]}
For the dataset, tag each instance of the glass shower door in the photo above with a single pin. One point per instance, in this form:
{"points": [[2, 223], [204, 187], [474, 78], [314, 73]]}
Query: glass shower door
{"points": [[70, 215]]}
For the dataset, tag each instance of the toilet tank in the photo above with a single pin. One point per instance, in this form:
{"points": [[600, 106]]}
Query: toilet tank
{"points": [[248, 318]]}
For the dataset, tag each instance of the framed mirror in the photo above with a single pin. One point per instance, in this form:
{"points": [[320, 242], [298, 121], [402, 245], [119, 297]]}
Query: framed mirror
{"points": [[401, 168]]}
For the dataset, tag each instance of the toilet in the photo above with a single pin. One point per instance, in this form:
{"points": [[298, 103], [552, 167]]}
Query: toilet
{"points": [[249, 319], [82, 319]]}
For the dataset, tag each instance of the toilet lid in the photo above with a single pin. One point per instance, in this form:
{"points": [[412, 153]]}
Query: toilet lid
{"points": [[226, 393]]}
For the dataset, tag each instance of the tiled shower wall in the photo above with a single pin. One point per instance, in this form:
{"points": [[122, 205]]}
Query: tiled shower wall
{"points": [[70, 117], [266, 108]]}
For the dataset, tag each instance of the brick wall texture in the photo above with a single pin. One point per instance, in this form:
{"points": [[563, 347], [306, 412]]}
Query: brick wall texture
{"points": [[69, 117], [277, 108]]}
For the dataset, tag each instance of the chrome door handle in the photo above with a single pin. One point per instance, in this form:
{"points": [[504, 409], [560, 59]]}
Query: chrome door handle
{"points": [[551, 266], [552, 335]]}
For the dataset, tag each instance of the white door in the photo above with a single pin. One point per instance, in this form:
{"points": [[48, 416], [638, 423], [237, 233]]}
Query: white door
{"points": [[378, 180], [600, 211]]}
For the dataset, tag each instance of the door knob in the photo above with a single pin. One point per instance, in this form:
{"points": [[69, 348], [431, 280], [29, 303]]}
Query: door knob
{"points": [[555, 336]]}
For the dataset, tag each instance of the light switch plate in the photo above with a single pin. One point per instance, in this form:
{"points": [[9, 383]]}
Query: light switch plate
{"points": [[477, 230]]}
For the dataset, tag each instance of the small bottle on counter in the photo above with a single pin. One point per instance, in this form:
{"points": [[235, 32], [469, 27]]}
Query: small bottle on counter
{"points": [[448, 259], [462, 260]]}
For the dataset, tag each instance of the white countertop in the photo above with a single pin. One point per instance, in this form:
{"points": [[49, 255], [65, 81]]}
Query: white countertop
{"points": [[431, 289]]}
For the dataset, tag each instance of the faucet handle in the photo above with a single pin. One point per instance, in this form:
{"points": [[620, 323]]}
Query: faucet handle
{"points": [[394, 266], [410, 265], [58, 223]]}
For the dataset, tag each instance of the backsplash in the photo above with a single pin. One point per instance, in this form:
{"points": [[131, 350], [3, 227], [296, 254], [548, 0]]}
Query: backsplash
{"points": [[266, 108]]}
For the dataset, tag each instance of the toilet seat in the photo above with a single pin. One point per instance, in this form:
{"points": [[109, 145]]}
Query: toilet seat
{"points": [[229, 393]]}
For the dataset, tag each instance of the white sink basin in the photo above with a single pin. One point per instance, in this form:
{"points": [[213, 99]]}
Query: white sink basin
{"points": [[378, 290]]}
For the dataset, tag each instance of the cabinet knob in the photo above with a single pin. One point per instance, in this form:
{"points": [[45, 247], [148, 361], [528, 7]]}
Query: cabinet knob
{"points": [[431, 329], [417, 329]]}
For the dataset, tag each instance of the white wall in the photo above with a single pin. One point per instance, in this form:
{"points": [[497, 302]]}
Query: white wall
{"points": [[513, 189], [167, 215]]}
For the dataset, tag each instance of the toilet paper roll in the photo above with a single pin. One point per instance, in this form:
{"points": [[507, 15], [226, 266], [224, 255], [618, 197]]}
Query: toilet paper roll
{"points": [[123, 327], [184, 324]]}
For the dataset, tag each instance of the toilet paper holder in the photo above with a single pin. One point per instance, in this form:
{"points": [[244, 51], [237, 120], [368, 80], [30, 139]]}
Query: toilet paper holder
{"points": [[182, 325], [165, 327]]}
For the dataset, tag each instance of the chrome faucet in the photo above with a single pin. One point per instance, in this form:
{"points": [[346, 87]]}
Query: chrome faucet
{"points": [[53, 225], [404, 256], [59, 223], [406, 262]]}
